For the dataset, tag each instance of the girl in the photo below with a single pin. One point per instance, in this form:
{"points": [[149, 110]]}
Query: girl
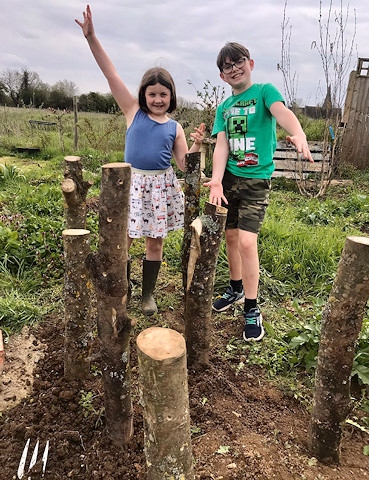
{"points": [[156, 198]]}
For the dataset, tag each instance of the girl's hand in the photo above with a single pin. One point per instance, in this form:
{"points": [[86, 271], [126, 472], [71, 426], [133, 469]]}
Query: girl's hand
{"points": [[87, 25], [199, 134]]}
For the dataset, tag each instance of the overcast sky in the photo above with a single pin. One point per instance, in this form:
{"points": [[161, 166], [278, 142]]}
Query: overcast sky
{"points": [[183, 36]]}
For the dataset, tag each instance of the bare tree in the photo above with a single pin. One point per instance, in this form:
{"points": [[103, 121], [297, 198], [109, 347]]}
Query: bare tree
{"points": [[290, 81], [335, 49]]}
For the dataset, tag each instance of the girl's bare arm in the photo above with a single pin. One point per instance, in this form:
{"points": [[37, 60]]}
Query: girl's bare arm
{"points": [[126, 102]]}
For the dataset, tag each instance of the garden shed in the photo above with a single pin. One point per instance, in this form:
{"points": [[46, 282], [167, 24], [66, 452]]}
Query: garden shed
{"points": [[355, 121]]}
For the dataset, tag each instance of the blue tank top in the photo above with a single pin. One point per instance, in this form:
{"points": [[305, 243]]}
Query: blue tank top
{"points": [[149, 144]]}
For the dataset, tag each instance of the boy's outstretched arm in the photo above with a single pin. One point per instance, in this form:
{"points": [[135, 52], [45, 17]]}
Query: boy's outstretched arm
{"points": [[119, 90], [220, 158], [288, 120]]}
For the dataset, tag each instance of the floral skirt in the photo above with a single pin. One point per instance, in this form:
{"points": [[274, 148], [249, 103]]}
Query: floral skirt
{"points": [[156, 203]]}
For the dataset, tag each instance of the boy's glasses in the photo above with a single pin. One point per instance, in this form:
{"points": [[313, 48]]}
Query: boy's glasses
{"points": [[228, 67]]}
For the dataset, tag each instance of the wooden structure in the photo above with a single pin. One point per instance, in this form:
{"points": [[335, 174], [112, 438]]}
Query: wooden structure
{"points": [[355, 121], [289, 165]]}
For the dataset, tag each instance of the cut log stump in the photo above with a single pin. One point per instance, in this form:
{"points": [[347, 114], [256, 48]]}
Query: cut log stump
{"points": [[108, 271], [192, 187], [77, 304], [207, 231], [341, 326], [164, 397], [74, 190]]}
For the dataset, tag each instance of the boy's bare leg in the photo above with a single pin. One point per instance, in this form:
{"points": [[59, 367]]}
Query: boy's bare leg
{"points": [[233, 254], [248, 251]]}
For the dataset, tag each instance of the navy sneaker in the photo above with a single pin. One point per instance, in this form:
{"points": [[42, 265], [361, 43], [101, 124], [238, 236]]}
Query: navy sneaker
{"points": [[227, 299], [253, 330]]}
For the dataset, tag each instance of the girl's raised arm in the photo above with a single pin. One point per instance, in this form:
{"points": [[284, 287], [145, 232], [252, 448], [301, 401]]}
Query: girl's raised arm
{"points": [[126, 102]]}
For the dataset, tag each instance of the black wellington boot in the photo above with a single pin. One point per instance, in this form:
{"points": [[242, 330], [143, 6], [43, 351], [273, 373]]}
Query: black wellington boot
{"points": [[129, 291], [150, 272]]}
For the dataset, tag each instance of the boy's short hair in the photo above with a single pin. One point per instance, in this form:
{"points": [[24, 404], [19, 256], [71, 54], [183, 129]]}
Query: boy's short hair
{"points": [[152, 77], [231, 51]]}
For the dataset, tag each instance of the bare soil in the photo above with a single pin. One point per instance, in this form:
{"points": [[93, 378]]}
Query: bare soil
{"points": [[243, 426]]}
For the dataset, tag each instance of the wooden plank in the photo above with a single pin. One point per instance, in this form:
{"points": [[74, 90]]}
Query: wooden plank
{"points": [[313, 146], [288, 155], [304, 166]]}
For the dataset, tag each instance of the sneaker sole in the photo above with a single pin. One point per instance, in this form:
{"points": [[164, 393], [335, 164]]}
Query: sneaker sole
{"points": [[254, 339], [240, 300]]}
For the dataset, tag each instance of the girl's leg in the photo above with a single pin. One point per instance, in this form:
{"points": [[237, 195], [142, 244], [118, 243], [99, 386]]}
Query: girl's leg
{"points": [[154, 249], [129, 292], [151, 267]]}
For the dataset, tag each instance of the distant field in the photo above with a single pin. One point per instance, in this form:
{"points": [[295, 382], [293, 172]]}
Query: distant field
{"points": [[97, 131]]}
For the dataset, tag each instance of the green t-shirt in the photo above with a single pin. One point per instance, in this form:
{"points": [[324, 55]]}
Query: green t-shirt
{"points": [[250, 129]]}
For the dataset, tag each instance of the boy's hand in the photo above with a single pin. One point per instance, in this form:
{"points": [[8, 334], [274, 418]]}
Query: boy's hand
{"points": [[87, 25], [199, 134], [216, 192], [301, 146]]}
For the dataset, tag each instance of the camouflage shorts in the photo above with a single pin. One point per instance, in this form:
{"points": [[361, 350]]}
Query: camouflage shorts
{"points": [[248, 199]]}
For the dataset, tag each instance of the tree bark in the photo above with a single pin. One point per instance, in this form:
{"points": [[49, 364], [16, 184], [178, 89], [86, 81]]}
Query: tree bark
{"points": [[164, 396], [77, 305], [206, 238], [341, 325], [192, 186], [74, 190], [108, 270]]}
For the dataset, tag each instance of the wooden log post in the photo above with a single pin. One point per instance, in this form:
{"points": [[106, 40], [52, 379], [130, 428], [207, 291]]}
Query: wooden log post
{"points": [[164, 397], [74, 190], [207, 232], [341, 325], [192, 186], [77, 305], [108, 270]]}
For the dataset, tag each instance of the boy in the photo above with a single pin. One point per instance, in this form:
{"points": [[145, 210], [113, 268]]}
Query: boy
{"points": [[245, 129]]}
